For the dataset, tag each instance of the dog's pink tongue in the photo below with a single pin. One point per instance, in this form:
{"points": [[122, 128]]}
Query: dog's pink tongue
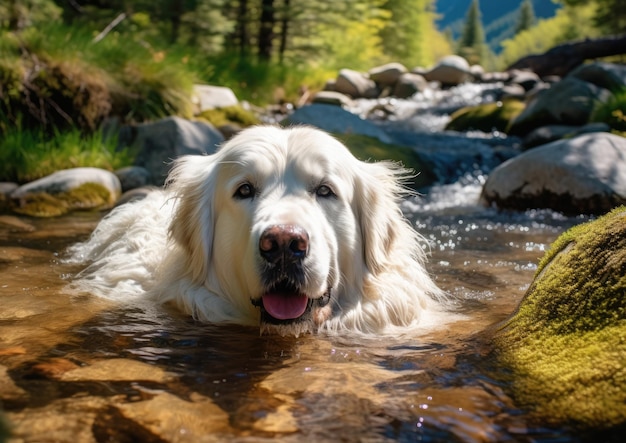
{"points": [[285, 306]]}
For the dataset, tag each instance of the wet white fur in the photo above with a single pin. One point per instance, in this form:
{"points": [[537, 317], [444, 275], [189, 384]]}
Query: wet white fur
{"points": [[196, 246]]}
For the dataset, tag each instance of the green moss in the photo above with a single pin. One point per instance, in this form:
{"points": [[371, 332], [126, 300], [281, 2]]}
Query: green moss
{"points": [[371, 149], [486, 117], [566, 344], [229, 115], [85, 196]]}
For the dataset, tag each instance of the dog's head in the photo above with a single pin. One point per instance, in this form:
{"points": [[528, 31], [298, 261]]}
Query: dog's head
{"points": [[285, 225]]}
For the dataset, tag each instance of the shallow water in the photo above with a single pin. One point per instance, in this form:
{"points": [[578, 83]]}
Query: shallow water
{"points": [[85, 370]]}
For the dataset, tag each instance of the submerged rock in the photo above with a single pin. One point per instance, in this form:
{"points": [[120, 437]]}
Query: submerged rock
{"points": [[566, 344]]}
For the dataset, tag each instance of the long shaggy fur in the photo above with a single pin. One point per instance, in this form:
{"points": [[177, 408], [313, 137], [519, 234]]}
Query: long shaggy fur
{"points": [[195, 244]]}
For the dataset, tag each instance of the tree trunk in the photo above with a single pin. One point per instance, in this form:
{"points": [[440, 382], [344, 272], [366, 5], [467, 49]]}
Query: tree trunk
{"points": [[241, 32], [563, 58], [284, 31], [266, 30]]}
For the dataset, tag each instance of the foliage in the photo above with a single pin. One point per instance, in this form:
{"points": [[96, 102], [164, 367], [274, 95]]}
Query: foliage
{"points": [[29, 155], [410, 36], [613, 112], [609, 17], [20, 14], [58, 77], [568, 24]]}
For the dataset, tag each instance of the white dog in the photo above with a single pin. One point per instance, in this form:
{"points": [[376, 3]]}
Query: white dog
{"points": [[281, 228]]}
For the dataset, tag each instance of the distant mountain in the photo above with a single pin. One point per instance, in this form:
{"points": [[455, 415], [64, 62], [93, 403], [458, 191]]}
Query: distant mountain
{"points": [[498, 16]]}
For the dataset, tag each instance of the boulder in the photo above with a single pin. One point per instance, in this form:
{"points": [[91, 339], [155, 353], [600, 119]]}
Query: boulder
{"points": [[335, 119], [550, 133], [564, 348], [409, 84], [451, 70], [604, 75], [206, 97], [583, 175], [487, 117], [569, 102], [526, 79], [356, 84], [387, 75], [132, 177], [158, 143], [67, 190]]}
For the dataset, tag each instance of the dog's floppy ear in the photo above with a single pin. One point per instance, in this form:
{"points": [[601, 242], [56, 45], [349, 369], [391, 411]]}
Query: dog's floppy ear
{"points": [[378, 195], [193, 180]]}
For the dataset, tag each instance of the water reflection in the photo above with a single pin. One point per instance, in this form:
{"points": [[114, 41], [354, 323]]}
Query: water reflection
{"points": [[81, 367]]}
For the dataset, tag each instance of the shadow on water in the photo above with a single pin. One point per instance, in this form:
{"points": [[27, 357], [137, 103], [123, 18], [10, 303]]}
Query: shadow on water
{"points": [[78, 369]]}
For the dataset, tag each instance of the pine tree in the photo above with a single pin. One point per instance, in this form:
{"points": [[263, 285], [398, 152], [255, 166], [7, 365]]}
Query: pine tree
{"points": [[526, 19], [472, 42]]}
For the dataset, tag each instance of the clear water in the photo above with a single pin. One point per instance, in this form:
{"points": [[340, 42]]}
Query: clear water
{"points": [[84, 370]]}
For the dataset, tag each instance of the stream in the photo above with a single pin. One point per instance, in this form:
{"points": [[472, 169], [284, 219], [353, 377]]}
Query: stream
{"points": [[80, 369]]}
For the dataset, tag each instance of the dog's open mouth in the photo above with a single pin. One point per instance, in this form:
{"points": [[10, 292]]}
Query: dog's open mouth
{"points": [[284, 304]]}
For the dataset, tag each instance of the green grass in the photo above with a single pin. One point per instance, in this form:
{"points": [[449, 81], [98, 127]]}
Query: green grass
{"points": [[58, 77], [29, 155], [613, 112]]}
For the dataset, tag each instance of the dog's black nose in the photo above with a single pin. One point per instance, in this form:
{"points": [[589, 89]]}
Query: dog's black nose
{"points": [[284, 242]]}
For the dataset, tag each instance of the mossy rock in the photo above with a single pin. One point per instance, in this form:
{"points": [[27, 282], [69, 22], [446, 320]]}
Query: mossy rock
{"points": [[487, 117], [229, 115], [368, 148], [85, 196], [566, 344]]}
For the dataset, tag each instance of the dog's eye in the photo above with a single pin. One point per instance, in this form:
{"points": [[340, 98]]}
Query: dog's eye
{"points": [[324, 191], [244, 191]]}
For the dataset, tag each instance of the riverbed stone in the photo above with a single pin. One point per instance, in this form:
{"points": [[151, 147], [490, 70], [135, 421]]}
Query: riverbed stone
{"points": [[158, 143], [118, 369], [67, 190], [569, 102], [526, 79], [409, 84], [356, 84], [550, 133], [566, 344], [174, 419], [332, 98], [487, 117], [605, 75], [10, 391], [206, 97], [6, 188], [132, 177], [585, 174], [66, 420], [451, 70], [388, 74]]}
